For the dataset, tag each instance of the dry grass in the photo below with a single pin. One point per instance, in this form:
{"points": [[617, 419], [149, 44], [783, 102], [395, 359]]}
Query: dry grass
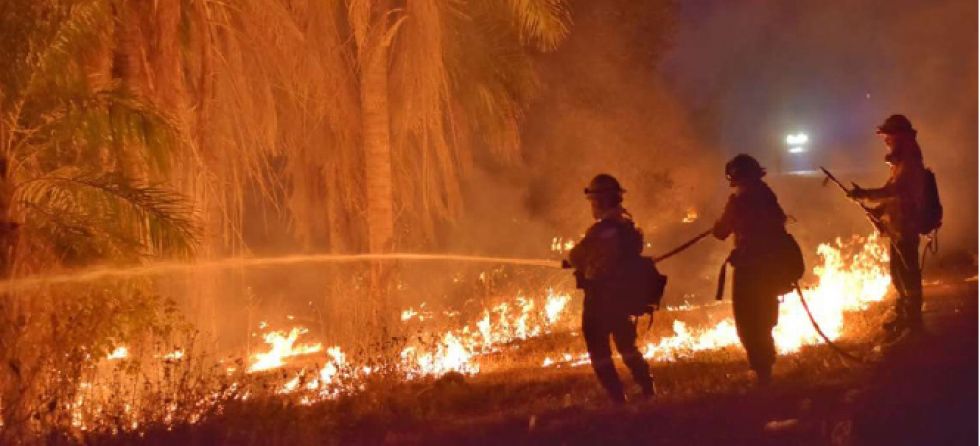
{"points": [[460, 409]]}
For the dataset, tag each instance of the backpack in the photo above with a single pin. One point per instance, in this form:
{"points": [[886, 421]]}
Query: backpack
{"points": [[931, 209], [639, 286], [788, 265], [784, 262]]}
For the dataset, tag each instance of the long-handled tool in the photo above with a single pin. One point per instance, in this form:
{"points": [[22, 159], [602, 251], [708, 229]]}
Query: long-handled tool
{"points": [[870, 213]]}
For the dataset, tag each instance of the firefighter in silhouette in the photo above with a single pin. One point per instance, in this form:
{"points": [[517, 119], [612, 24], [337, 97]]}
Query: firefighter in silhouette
{"points": [[754, 216], [610, 242], [902, 201]]}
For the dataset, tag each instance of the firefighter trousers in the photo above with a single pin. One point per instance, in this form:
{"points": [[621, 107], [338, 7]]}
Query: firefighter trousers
{"points": [[755, 306], [907, 277], [597, 329]]}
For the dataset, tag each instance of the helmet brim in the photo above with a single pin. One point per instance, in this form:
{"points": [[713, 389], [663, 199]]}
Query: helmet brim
{"points": [[603, 191]]}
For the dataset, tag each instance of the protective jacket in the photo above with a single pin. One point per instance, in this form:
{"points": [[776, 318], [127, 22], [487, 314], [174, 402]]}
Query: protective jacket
{"points": [[754, 216], [597, 259], [599, 255], [900, 197], [901, 200]]}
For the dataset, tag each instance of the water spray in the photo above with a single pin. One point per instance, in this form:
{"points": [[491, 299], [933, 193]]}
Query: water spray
{"points": [[100, 273]]}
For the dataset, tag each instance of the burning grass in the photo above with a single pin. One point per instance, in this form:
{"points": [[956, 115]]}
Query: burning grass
{"points": [[520, 353]]}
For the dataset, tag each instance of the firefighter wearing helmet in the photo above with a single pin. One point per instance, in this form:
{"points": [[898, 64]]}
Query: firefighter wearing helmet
{"points": [[611, 241], [757, 221], [908, 205]]}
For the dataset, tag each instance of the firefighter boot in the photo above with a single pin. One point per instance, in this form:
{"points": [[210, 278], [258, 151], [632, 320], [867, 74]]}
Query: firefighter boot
{"points": [[649, 390], [609, 379], [896, 325], [763, 377], [913, 314]]}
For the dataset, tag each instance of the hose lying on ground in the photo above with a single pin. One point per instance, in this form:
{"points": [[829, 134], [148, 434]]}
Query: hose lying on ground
{"points": [[843, 353], [799, 291]]}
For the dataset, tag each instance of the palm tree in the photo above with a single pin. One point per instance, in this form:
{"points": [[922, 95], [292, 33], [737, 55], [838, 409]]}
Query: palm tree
{"points": [[355, 118], [81, 173], [439, 80], [70, 140]]}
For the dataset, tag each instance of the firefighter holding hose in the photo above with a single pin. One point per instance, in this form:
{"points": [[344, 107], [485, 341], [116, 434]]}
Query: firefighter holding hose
{"points": [[755, 217], [607, 246]]}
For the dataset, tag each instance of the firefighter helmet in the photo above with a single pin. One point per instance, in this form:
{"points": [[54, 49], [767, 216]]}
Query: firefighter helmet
{"points": [[744, 167], [896, 124], [604, 184]]}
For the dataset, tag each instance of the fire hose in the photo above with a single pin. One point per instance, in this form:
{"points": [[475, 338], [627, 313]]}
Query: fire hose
{"points": [[837, 349], [682, 247], [932, 247], [565, 264], [796, 286]]}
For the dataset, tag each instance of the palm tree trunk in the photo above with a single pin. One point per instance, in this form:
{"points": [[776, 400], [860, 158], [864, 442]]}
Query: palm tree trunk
{"points": [[369, 22], [376, 131]]}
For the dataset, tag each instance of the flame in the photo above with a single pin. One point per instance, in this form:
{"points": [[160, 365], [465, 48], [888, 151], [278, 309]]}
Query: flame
{"points": [[720, 335], [555, 306], [282, 347], [119, 353], [562, 245], [691, 216], [845, 283], [409, 314], [506, 322], [452, 351], [850, 276]]}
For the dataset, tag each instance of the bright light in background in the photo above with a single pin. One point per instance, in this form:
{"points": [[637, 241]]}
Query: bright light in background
{"points": [[796, 142], [797, 139]]}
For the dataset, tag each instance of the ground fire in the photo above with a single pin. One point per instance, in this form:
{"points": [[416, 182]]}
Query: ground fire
{"points": [[427, 222], [850, 275]]}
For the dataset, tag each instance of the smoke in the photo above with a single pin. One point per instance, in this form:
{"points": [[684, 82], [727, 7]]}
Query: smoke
{"points": [[754, 71], [659, 94], [602, 107]]}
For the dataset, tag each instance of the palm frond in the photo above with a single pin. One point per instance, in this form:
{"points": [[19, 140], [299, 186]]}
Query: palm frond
{"points": [[544, 23], [81, 126], [121, 212], [84, 25], [492, 79]]}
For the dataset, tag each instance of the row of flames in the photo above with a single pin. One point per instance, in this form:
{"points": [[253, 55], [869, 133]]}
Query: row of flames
{"points": [[455, 350], [846, 282], [850, 276]]}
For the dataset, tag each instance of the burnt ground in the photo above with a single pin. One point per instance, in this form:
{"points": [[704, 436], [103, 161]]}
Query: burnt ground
{"points": [[921, 391]]}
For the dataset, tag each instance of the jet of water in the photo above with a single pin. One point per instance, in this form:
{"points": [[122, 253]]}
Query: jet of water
{"points": [[161, 268]]}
